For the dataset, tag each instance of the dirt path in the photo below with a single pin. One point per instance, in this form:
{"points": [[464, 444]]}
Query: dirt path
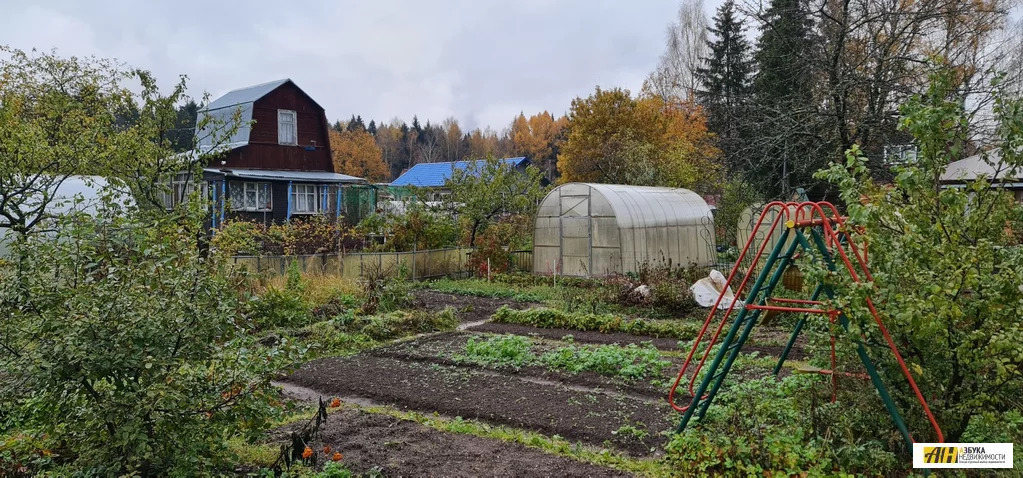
{"points": [[405, 448], [544, 407]]}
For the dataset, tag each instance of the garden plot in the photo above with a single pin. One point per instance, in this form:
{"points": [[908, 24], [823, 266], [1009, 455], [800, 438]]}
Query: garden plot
{"points": [[399, 447], [468, 308], [591, 417]]}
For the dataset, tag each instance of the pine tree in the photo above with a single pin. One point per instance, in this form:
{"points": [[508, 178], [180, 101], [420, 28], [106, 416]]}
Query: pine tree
{"points": [[783, 54], [372, 128], [782, 149], [726, 78]]}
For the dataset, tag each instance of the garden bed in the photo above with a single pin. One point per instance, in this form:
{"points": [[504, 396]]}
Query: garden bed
{"points": [[667, 344], [468, 308], [405, 448], [595, 418]]}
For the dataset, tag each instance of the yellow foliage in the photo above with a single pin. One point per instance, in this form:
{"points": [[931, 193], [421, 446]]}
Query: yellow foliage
{"points": [[356, 153], [615, 138]]}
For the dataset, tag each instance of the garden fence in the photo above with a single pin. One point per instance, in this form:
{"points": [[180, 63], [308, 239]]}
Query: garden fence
{"points": [[368, 265]]}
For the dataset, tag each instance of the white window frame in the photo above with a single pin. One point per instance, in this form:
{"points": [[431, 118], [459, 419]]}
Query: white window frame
{"points": [[312, 194], [171, 196], [239, 204], [287, 132]]}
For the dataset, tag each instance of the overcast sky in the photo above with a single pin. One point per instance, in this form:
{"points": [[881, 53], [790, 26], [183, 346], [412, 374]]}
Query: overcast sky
{"points": [[480, 61]]}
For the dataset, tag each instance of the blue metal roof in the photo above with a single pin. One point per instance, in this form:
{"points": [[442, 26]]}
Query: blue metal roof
{"points": [[431, 175]]}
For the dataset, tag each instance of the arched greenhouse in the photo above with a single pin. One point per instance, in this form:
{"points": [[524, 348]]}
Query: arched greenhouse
{"points": [[592, 230]]}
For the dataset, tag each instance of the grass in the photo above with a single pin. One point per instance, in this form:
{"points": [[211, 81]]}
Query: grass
{"points": [[498, 290], [318, 288]]}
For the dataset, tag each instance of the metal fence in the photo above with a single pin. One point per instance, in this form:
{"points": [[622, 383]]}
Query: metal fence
{"points": [[368, 265]]}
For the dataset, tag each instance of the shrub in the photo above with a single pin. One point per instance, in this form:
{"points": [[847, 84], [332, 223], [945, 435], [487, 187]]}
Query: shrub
{"points": [[122, 344], [765, 427], [552, 318], [278, 308], [946, 264]]}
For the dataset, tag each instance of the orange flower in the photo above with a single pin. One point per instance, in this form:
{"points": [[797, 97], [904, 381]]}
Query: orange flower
{"points": [[307, 453], [336, 457], [336, 402], [326, 450]]}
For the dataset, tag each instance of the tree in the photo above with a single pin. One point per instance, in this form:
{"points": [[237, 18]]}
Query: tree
{"points": [[614, 138], [57, 117], [123, 348], [946, 265], [726, 79], [487, 190], [786, 149], [676, 73], [537, 138], [355, 152]]}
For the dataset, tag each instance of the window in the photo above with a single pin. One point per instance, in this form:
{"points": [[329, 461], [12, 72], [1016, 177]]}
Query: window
{"points": [[287, 127], [178, 190], [304, 199], [247, 196]]}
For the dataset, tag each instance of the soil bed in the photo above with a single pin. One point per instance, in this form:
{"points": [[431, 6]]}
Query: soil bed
{"points": [[405, 448], [546, 408], [440, 349], [468, 308]]}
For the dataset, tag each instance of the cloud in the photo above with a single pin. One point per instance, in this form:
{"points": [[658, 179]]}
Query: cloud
{"points": [[479, 61]]}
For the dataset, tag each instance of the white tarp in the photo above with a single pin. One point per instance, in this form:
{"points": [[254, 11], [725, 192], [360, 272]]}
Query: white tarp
{"points": [[706, 291]]}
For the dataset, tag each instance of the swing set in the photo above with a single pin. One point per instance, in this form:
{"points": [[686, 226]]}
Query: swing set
{"points": [[818, 230]]}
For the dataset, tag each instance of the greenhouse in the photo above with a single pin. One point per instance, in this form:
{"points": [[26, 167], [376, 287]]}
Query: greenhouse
{"points": [[592, 230]]}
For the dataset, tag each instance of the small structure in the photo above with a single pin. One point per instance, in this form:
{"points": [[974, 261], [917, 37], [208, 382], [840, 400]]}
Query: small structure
{"points": [[592, 230], [277, 164], [990, 165], [433, 177]]}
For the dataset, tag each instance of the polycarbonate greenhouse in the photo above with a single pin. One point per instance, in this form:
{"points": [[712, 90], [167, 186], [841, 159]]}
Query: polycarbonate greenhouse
{"points": [[592, 230]]}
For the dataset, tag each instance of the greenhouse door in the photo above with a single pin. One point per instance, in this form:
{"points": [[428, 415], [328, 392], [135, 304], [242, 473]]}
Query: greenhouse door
{"points": [[575, 235]]}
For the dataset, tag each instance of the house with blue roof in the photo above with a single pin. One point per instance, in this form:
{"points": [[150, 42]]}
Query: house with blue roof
{"points": [[433, 177]]}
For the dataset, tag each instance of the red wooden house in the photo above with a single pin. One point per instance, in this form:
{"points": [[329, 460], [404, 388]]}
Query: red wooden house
{"points": [[276, 165]]}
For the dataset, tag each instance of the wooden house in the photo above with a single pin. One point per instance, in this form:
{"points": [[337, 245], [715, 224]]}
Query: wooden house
{"points": [[274, 162]]}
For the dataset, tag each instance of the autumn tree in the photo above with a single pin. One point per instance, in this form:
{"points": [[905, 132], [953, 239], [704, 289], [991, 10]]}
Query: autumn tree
{"points": [[615, 138], [355, 152], [537, 139]]}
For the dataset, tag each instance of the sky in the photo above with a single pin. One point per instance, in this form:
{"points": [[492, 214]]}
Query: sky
{"points": [[481, 61]]}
